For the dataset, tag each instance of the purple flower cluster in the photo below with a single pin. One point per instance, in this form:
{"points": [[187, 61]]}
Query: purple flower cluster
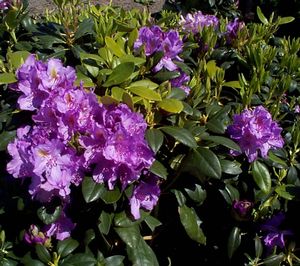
{"points": [[72, 135], [4, 4], [195, 22], [153, 39], [255, 132]]}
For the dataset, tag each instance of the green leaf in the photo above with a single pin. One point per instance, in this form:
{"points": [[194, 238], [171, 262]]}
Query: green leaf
{"points": [[166, 75], [152, 222], [139, 253], [85, 27], [115, 48], [171, 105], [66, 247], [277, 160], [274, 260], [120, 74], [182, 135], [7, 78], [5, 138], [234, 241], [285, 20], [155, 139], [261, 16], [231, 167], [27, 260], [232, 84], [46, 217], [80, 259], [198, 195], [181, 199], [211, 68], [282, 192], [191, 224], [87, 82], [158, 169], [145, 93], [105, 221], [111, 196], [43, 253], [17, 58], [261, 176], [146, 83], [133, 35], [209, 164], [223, 141], [116, 260], [91, 190], [127, 99], [108, 100]]}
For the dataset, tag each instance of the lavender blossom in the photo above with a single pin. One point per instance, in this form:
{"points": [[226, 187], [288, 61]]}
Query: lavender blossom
{"points": [[233, 28], [145, 195], [297, 109], [255, 132], [273, 235], [181, 81], [4, 4], [242, 208], [195, 22]]}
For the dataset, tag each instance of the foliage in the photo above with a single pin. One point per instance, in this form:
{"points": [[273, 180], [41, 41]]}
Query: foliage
{"points": [[191, 83]]}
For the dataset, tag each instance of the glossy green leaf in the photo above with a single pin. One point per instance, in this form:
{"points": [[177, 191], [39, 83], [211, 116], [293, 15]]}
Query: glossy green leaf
{"points": [[27, 260], [111, 196], [171, 105], [120, 74], [146, 83], [139, 253], [181, 199], [81, 78], [191, 224], [182, 135], [145, 93], [231, 167], [234, 241], [159, 169], [108, 100], [261, 16], [66, 247], [209, 164], [211, 68], [232, 84], [46, 217], [258, 246], [285, 20], [152, 222], [105, 221], [155, 139], [114, 47], [133, 35], [261, 176], [5, 138], [274, 260], [282, 192], [85, 28], [7, 78], [198, 194], [42, 253], [91, 190], [223, 141], [17, 58], [116, 260], [80, 259], [166, 75]]}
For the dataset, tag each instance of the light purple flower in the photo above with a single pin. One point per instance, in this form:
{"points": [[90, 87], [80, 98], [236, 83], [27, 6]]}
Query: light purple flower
{"points": [[181, 81], [273, 235], [297, 109], [145, 195], [195, 22], [4, 4], [255, 132], [242, 208]]}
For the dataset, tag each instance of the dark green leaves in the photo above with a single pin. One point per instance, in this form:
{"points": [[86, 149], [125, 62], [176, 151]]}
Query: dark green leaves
{"points": [[234, 241], [261, 176], [155, 139], [66, 247], [91, 190], [120, 74]]}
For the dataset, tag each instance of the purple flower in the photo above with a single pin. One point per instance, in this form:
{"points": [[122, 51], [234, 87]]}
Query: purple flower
{"points": [[233, 28], [195, 22], [4, 4], [181, 81], [35, 236], [273, 235], [242, 208], [61, 228], [145, 195], [255, 132], [297, 109]]}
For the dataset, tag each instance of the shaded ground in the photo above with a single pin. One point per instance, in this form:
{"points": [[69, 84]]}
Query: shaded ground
{"points": [[39, 6]]}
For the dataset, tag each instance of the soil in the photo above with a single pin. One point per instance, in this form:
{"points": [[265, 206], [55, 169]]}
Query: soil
{"points": [[38, 7]]}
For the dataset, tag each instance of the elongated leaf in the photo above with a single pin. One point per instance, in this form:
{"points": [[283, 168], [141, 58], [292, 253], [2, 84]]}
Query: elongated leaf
{"points": [[115, 48], [154, 138], [120, 74], [182, 135], [18, 58], [139, 253], [152, 222], [146, 83], [223, 141], [282, 191], [285, 20], [233, 84], [43, 253], [105, 220], [80, 259], [145, 93], [171, 105], [5, 138], [191, 224], [116, 260], [234, 241], [91, 190], [261, 176], [198, 195], [261, 16], [7, 78], [231, 167], [158, 169], [66, 247]]}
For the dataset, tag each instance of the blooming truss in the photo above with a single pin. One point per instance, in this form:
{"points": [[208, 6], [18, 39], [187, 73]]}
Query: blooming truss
{"points": [[73, 136]]}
